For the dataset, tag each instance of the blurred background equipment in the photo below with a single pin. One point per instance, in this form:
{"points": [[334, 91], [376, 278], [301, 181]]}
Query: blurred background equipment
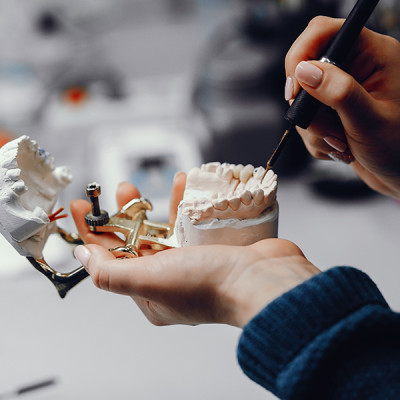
{"points": [[241, 79]]}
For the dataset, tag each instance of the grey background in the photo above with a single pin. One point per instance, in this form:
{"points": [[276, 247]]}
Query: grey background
{"points": [[97, 344]]}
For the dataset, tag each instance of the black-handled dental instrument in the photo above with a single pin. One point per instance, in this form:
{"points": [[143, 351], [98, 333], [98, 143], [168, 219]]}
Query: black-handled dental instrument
{"points": [[304, 107]]}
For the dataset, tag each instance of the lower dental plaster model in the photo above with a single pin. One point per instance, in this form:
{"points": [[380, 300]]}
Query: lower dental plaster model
{"points": [[222, 204], [227, 204]]}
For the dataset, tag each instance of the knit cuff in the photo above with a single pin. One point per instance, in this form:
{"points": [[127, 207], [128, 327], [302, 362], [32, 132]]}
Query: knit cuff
{"points": [[282, 329]]}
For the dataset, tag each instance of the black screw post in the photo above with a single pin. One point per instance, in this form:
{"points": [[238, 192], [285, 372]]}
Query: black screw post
{"points": [[96, 217]]}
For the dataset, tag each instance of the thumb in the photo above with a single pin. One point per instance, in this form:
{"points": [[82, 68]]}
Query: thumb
{"points": [[338, 90], [107, 272]]}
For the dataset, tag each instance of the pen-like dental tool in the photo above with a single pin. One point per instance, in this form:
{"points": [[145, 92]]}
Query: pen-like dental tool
{"points": [[304, 107]]}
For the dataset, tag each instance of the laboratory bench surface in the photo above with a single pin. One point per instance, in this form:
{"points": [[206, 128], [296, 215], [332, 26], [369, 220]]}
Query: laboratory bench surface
{"points": [[98, 345]]}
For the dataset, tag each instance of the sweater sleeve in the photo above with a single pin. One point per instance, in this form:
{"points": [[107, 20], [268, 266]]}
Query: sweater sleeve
{"points": [[332, 337]]}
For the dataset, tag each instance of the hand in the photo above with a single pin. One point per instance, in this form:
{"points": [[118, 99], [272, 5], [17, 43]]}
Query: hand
{"points": [[364, 113], [192, 285]]}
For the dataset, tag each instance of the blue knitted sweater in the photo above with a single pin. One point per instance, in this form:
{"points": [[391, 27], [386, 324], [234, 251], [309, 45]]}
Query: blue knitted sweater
{"points": [[332, 337]]}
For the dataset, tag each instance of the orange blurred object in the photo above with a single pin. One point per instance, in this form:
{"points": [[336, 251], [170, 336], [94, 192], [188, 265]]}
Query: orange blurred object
{"points": [[75, 95], [5, 137]]}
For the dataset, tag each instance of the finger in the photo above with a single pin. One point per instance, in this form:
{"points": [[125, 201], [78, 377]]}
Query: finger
{"points": [[98, 262], [79, 208], [324, 135], [373, 181], [178, 187], [309, 45], [363, 60], [132, 276], [125, 193], [340, 91], [156, 275]]}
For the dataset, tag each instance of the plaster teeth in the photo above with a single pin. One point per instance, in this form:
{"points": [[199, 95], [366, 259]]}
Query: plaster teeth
{"points": [[214, 196], [267, 193], [236, 171], [268, 176], [33, 145], [258, 197], [207, 209], [224, 172], [246, 173], [13, 174], [194, 172], [227, 174], [41, 154], [273, 187], [8, 161], [50, 161], [39, 212], [234, 203], [19, 188], [258, 173], [221, 204], [270, 194], [229, 191], [241, 187], [245, 197], [212, 167], [63, 174]]}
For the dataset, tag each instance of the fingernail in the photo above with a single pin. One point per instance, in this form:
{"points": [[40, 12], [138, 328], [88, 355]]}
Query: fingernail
{"points": [[308, 73], [289, 88], [342, 157], [82, 254], [336, 143], [178, 174]]}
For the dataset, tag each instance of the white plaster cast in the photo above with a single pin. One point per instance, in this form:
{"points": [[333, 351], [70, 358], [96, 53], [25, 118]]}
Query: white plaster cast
{"points": [[227, 204], [29, 186]]}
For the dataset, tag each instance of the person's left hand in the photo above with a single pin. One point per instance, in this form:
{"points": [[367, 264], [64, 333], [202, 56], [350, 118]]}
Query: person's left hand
{"points": [[192, 285]]}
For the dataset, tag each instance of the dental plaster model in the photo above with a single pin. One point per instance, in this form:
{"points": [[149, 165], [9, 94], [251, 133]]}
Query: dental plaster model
{"points": [[29, 186], [227, 204]]}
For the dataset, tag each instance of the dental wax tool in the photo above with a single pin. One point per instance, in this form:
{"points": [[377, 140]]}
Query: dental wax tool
{"points": [[304, 107]]}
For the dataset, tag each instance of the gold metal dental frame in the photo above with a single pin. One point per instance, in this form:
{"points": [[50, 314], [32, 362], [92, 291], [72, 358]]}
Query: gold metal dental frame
{"points": [[130, 220]]}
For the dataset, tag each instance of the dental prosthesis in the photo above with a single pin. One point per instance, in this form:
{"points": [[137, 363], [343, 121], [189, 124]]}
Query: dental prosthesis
{"points": [[227, 204], [222, 204]]}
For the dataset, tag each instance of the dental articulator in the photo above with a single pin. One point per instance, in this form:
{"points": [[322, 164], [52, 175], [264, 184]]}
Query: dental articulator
{"points": [[222, 203]]}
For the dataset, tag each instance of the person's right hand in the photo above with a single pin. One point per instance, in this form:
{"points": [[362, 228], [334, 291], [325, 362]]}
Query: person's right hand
{"points": [[364, 114]]}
